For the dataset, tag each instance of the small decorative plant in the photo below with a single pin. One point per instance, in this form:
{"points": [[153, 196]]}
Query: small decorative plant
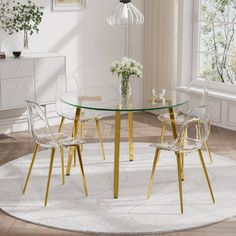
{"points": [[16, 17], [126, 68]]}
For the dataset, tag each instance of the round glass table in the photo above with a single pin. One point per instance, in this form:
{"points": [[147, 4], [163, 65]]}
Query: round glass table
{"points": [[171, 100]]}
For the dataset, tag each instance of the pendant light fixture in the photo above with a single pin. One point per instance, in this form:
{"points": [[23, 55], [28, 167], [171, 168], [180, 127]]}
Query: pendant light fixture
{"points": [[125, 14]]}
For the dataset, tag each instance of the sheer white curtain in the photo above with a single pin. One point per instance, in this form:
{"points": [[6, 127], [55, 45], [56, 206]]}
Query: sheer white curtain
{"points": [[161, 45]]}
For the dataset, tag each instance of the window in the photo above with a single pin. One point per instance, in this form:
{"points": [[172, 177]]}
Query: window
{"points": [[216, 46]]}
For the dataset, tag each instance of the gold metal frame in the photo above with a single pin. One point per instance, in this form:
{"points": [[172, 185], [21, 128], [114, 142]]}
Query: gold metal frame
{"points": [[100, 137], [131, 136], [117, 155], [75, 134]]}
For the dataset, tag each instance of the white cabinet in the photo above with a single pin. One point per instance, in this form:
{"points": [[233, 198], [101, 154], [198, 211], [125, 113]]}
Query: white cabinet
{"points": [[29, 78], [15, 91], [17, 68]]}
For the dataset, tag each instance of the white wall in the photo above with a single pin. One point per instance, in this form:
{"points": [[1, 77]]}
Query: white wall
{"points": [[89, 43]]}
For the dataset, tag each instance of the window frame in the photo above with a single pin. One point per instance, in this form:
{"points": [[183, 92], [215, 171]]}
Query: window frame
{"points": [[214, 85]]}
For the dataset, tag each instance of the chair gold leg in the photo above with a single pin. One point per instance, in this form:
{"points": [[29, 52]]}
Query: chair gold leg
{"points": [[179, 167], [31, 167], [62, 165], [208, 150], [82, 135], [74, 156], [182, 165], [61, 124], [182, 154], [206, 143], [117, 155], [82, 170], [163, 132], [49, 175], [155, 162], [131, 136], [206, 175], [100, 138], [75, 134]]}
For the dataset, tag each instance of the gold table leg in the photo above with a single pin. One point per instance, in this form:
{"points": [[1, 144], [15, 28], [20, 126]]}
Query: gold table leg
{"points": [[75, 132], [117, 155], [131, 137]]}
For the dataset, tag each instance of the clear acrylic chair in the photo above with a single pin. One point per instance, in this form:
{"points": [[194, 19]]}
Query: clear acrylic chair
{"points": [[68, 112], [180, 114], [194, 133], [44, 137]]}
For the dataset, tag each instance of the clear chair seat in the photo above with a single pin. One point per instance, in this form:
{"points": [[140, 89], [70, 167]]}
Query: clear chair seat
{"points": [[188, 147], [70, 115], [179, 117], [59, 139]]}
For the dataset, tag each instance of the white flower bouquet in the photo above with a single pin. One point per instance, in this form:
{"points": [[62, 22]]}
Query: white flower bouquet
{"points": [[126, 68]]}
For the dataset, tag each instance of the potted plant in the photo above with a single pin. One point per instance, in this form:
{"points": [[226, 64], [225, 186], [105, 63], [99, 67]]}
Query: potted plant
{"points": [[16, 17], [126, 68]]}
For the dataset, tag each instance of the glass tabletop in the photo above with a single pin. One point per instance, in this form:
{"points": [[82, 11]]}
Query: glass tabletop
{"points": [[173, 98]]}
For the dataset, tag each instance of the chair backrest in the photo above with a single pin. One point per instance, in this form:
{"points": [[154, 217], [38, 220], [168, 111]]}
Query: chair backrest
{"points": [[62, 88], [197, 93], [195, 130], [39, 123], [200, 84]]}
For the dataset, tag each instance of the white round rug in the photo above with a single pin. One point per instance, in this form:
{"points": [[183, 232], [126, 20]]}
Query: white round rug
{"points": [[69, 209]]}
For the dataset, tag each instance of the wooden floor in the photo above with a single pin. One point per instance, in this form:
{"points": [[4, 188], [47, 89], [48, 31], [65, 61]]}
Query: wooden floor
{"points": [[147, 129]]}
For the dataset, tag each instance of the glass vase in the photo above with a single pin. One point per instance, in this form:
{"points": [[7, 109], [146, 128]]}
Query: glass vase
{"points": [[125, 89], [26, 40]]}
